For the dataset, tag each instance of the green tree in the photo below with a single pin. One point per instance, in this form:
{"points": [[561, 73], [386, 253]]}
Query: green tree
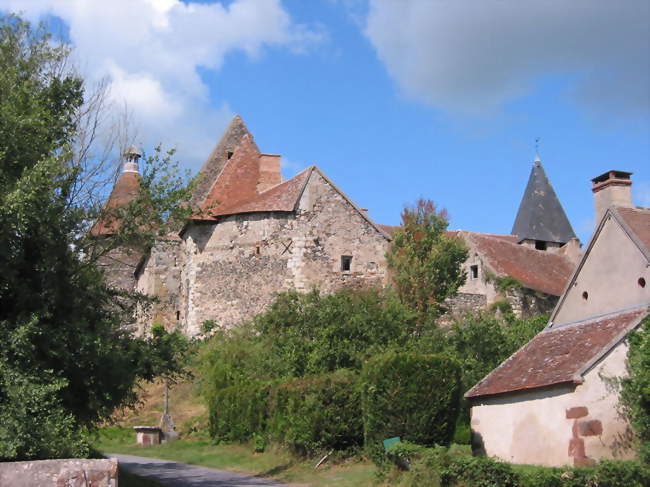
{"points": [[635, 395], [65, 353], [425, 262]]}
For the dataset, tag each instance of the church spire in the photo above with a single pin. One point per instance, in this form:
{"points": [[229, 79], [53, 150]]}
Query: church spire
{"points": [[541, 218]]}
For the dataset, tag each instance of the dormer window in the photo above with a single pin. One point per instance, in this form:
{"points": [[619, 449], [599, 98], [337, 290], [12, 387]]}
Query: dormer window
{"points": [[540, 244]]}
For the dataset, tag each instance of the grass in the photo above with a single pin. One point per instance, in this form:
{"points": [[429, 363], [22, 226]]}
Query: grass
{"points": [[273, 463]]}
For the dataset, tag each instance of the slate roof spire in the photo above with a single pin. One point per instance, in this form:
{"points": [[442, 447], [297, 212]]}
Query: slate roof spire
{"points": [[541, 216]]}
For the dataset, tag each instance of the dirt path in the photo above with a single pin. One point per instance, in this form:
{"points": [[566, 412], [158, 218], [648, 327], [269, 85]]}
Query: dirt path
{"points": [[174, 474]]}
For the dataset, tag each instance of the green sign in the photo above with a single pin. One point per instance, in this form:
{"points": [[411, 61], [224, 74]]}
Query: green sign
{"points": [[390, 441]]}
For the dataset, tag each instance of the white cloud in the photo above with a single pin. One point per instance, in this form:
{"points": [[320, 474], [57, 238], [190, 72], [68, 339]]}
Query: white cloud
{"points": [[151, 50], [469, 56]]}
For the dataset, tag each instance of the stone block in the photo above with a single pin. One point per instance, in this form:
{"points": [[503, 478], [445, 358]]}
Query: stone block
{"points": [[577, 412], [590, 427], [576, 448]]}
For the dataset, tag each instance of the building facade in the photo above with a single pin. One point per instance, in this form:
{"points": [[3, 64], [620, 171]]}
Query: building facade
{"points": [[553, 402]]}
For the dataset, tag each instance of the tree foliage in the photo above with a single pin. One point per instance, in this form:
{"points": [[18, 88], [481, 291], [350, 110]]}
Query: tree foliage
{"points": [[635, 395], [425, 262], [309, 334], [65, 348]]}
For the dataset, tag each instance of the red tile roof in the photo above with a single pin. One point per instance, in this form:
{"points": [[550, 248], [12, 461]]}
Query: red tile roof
{"points": [[283, 197], [638, 219], [126, 188], [547, 272], [238, 180], [558, 355]]}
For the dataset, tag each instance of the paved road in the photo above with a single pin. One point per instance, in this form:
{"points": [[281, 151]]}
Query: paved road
{"points": [[173, 474]]}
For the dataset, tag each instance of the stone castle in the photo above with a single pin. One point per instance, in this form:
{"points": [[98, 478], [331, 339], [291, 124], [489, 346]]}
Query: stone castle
{"points": [[257, 234]]}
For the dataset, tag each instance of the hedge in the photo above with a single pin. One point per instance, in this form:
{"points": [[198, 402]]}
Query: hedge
{"points": [[313, 414], [441, 467], [239, 412], [409, 395]]}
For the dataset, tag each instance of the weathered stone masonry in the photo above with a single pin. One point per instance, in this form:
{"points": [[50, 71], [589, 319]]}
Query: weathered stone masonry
{"points": [[233, 269]]}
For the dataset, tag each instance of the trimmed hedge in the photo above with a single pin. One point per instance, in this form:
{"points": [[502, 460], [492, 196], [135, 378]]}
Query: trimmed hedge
{"points": [[313, 414], [409, 395], [439, 466], [239, 412], [309, 415]]}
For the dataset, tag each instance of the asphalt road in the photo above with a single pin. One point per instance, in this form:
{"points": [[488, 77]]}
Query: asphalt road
{"points": [[173, 474]]}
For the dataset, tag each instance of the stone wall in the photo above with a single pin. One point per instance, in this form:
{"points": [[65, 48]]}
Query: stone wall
{"points": [[232, 270], [119, 266], [60, 473], [526, 302], [159, 275], [464, 303]]}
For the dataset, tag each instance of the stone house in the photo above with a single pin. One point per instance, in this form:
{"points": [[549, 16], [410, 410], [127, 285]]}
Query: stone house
{"points": [[552, 403], [527, 269], [255, 235]]}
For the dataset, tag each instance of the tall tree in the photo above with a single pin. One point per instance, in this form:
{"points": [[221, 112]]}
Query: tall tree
{"points": [[66, 359], [425, 262]]}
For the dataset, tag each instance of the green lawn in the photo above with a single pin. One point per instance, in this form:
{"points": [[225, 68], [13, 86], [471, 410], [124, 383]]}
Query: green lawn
{"points": [[240, 458]]}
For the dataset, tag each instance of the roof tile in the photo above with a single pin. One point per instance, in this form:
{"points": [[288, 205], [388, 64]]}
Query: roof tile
{"points": [[557, 355]]}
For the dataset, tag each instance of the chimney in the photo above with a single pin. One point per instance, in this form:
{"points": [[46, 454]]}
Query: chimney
{"points": [[611, 189], [131, 156], [269, 172]]}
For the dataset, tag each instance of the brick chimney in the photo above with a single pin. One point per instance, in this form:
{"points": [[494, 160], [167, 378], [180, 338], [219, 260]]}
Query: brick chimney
{"points": [[613, 188], [269, 172]]}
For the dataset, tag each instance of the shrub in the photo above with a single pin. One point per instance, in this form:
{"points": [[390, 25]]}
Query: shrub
{"points": [[635, 394], [238, 412], [478, 472], [318, 413], [33, 422], [409, 395]]}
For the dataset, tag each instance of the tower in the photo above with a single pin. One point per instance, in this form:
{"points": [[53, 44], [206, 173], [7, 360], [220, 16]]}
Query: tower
{"points": [[541, 222]]}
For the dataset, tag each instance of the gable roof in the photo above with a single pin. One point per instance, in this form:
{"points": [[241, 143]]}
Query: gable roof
{"points": [[283, 197], [125, 189], [218, 158], [635, 222], [540, 215], [547, 272], [559, 355]]}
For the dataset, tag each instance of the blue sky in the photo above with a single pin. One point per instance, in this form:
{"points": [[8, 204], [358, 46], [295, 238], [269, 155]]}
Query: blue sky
{"points": [[392, 100]]}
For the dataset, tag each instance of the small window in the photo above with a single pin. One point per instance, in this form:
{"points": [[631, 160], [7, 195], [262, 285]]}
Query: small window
{"points": [[346, 263], [178, 315], [229, 154], [473, 272], [641, 282], [585, 295], [540, 244], [257, 250]]}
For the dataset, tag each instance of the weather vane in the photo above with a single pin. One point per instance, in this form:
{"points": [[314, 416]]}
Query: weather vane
{"points": [[537, 146]]}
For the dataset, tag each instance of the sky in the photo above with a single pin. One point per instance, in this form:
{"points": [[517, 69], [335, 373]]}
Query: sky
{"points": [[392, 99]]}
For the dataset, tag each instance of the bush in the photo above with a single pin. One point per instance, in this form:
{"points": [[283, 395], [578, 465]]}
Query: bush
{"points": [[239, 412], [635, 394], [409, 395], [478, 472], [33, 423], [318, 413]]}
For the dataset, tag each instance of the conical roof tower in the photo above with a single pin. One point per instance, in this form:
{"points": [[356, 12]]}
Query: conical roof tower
{"points": [[541, 217], [125, 189]]}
